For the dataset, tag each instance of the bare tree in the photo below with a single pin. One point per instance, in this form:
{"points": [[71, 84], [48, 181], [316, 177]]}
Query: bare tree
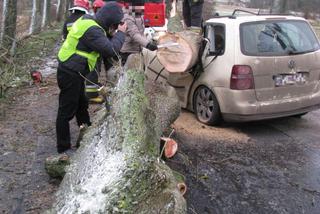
{"points": [[46, 13], [279, 6], [67, 6], [8, 25], [35, 25], [59, 12], [283, 6], [62, 9], [309, 7], [262, 4]]}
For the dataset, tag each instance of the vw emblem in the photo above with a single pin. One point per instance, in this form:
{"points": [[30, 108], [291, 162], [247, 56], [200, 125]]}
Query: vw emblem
{"points": [[291, 64]]}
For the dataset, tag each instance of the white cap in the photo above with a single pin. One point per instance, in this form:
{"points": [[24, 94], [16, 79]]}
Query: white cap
{"points": [[79, 8]]}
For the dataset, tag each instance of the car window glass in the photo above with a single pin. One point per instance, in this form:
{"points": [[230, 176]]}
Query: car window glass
{"points": [[277, 38], [219, 38]]}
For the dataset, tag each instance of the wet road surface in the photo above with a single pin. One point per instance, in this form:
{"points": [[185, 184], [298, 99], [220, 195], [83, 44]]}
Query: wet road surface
{"points": [[261, 167]]}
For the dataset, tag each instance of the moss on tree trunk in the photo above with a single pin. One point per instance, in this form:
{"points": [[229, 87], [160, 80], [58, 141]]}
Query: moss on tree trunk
{"points": [[117, 169]]}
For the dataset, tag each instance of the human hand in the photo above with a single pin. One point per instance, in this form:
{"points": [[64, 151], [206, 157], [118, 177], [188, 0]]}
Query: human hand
{"points": [[122, 27], [152, 46]]}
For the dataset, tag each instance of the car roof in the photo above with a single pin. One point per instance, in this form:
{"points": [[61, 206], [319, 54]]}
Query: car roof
{"points": [[250, 18]]}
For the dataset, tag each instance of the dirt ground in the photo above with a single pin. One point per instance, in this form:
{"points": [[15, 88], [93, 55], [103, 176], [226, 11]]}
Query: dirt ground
{"points": [[27, 138], [27, 131]]}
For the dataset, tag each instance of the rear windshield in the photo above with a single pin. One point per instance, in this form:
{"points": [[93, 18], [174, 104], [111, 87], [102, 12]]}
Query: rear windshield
{"points": [[270, 38]]}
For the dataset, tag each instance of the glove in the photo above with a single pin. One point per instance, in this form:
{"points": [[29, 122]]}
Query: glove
{"points": [[151, 46]]}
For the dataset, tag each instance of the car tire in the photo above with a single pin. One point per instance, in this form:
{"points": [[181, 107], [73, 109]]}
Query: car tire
{"points": [[206, 106]]}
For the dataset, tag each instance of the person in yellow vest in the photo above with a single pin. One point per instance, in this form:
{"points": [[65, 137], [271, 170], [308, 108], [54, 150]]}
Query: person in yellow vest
{"points": [[80, 7], [86, 41]]}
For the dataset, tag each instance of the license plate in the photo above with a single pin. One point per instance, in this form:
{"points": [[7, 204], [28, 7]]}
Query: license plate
{"points": [[290, 79]]}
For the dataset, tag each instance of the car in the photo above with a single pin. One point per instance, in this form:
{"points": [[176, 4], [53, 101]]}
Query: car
{"points": [[253, 67]]}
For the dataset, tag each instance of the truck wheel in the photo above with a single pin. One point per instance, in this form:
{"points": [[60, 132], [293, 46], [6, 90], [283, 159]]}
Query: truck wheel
{"points": [[206, 106]]}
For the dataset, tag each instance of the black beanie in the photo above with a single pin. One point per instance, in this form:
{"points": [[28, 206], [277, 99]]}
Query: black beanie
{"points": [[110, 14]]}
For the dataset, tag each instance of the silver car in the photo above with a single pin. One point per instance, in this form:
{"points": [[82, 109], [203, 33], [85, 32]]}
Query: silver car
{"points": [[252, 68]]}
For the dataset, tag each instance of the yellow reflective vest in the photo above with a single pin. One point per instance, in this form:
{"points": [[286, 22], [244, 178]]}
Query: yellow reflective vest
{"points": [[69, 46]]}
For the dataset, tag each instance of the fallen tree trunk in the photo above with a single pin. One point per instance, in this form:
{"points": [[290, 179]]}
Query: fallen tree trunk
{"points": [[180, 58], [174, 24], [117, 167]]}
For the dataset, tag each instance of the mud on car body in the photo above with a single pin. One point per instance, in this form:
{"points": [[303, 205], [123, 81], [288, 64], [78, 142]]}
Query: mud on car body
{"points": [[254, 67]]}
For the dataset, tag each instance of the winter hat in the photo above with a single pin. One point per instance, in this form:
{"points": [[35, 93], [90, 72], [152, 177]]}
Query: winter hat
{"points": [[110, 14]]}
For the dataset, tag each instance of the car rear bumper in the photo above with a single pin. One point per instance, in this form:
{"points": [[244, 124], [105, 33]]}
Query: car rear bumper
{"points": [[243, 106], [245, 118]]}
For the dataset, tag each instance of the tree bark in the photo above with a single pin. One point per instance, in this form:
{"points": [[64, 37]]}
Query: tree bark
{"points": [[8, 25], [35, 24], [117, 167], [59, 11], [46, 14], [67, 6], [279, 6]]}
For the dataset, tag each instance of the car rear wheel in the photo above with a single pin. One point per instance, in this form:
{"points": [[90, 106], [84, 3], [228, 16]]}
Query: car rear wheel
{"points": [[206, 106]]}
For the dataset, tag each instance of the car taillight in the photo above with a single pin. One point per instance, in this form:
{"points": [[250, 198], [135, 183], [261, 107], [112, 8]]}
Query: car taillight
{"points": [[241, 78]]}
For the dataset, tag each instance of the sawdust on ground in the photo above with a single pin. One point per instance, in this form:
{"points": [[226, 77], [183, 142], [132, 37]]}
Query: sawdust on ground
{"points": [[188, 123]]}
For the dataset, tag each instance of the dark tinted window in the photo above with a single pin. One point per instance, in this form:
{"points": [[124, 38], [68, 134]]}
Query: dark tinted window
{"points": [[216, 32], [277, 38]]}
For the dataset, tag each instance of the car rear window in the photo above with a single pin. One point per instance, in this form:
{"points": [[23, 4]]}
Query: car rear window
{"points": [[281, 37]]}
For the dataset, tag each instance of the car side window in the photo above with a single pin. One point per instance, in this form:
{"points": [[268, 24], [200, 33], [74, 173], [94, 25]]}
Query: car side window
{"points": [[216, 36]]}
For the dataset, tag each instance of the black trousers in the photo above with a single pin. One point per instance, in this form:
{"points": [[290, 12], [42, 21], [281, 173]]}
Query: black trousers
{"points": [[72, 102], [192, 12], [93, 80], [93, 76]]}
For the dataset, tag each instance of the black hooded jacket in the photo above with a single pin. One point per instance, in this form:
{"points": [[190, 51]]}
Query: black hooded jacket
{"points": [[70, 20], [94, 39]]}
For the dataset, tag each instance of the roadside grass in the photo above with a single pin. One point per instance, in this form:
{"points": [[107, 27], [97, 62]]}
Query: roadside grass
{"points": [[39, 45], [29, 54]]}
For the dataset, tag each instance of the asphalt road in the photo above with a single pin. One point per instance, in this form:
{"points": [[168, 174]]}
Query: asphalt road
{"points": [[261, 167]]}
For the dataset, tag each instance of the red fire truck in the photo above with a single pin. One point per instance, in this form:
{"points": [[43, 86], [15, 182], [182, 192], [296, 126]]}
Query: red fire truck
{"points": [[154, 11]]}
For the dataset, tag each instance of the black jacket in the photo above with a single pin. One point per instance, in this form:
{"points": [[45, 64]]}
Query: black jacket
{"points": [[94, 39], [70, 20]]}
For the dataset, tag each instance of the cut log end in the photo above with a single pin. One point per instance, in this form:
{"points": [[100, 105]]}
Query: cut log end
{"points": [[182, 57]]}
